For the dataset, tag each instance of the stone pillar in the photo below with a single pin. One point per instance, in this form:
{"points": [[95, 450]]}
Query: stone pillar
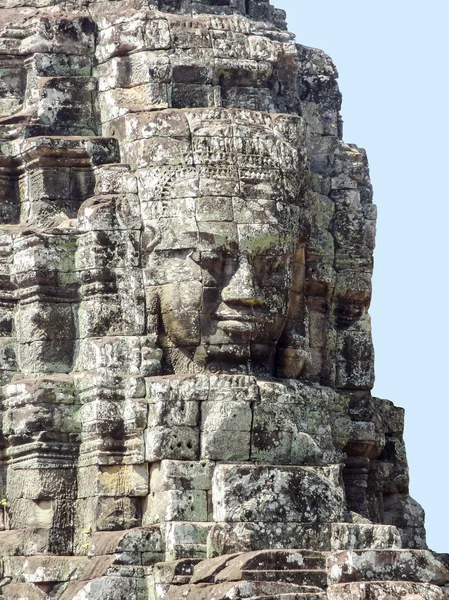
{"points": [[114, 354]]}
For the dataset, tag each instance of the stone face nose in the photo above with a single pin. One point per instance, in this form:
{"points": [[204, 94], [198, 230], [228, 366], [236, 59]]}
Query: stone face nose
{"points": [[241, 288]]}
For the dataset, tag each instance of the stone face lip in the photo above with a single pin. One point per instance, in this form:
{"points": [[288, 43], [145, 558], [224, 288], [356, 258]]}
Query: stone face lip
{"points": [[186, 359]]}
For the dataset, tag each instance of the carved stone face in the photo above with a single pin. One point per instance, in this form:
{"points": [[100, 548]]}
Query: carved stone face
{"points": [[242, 276], [223, 245]]}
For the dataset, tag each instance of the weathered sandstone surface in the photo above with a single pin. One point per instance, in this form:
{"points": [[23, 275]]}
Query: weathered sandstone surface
{"points": [[185, 348]]}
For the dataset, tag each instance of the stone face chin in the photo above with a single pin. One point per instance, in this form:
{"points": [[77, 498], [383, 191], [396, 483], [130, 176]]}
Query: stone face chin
{"points": [[186, 360]]}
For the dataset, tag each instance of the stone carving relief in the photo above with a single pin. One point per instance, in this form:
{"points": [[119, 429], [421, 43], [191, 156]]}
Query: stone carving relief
{"points": [[185, 353], [223, 250]]}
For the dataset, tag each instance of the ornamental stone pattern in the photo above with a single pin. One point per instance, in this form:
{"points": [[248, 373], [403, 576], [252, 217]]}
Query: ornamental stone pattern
{"points": [[185, 355]]}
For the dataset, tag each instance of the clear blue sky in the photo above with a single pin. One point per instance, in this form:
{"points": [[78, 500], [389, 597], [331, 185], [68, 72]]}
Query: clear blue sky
{"points": [[392, 58]]}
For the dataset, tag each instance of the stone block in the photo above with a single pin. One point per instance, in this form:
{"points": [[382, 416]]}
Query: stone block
{"points": [[402, 511], [133, 70], [392, 590], [181, 475], [106, 249], [109, 382], [104, 588], [119, 354], [157, 34], [113, 480], [174, 571], [25, 512], [110, 212], [175, 442], [298, 424], [136, 34], [169, 390], [103, 419], [289, 494], [54, 95], [188, 95], [225, 445], [186, 37], [227, 538], [23, 590], [40, 255], [183, 540], [173, 413], [175, 505], [106, 513], [40, 484], [44, 321], [118, 102], [179, 268], [288, 434], [19, 542], [44, 568], [101, 316], [54, 356], [238, 388], [244, 565], [214, 208], [251, 589], [386, 565], [162, 151], [8, 355], [225, 430], [349, 536], [116, 179], [129, 542]]}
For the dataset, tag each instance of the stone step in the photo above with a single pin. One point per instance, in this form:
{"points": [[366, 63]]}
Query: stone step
{"points": [[299, 596], [316, 577], [206, 570], [200, 591], [138, 540], [272, 560], [128, 547], [386, 565], [177, 572], [244, 590]]}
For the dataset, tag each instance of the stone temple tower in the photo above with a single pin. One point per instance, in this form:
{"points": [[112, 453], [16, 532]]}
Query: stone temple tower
{"points": [[185, 347]]}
